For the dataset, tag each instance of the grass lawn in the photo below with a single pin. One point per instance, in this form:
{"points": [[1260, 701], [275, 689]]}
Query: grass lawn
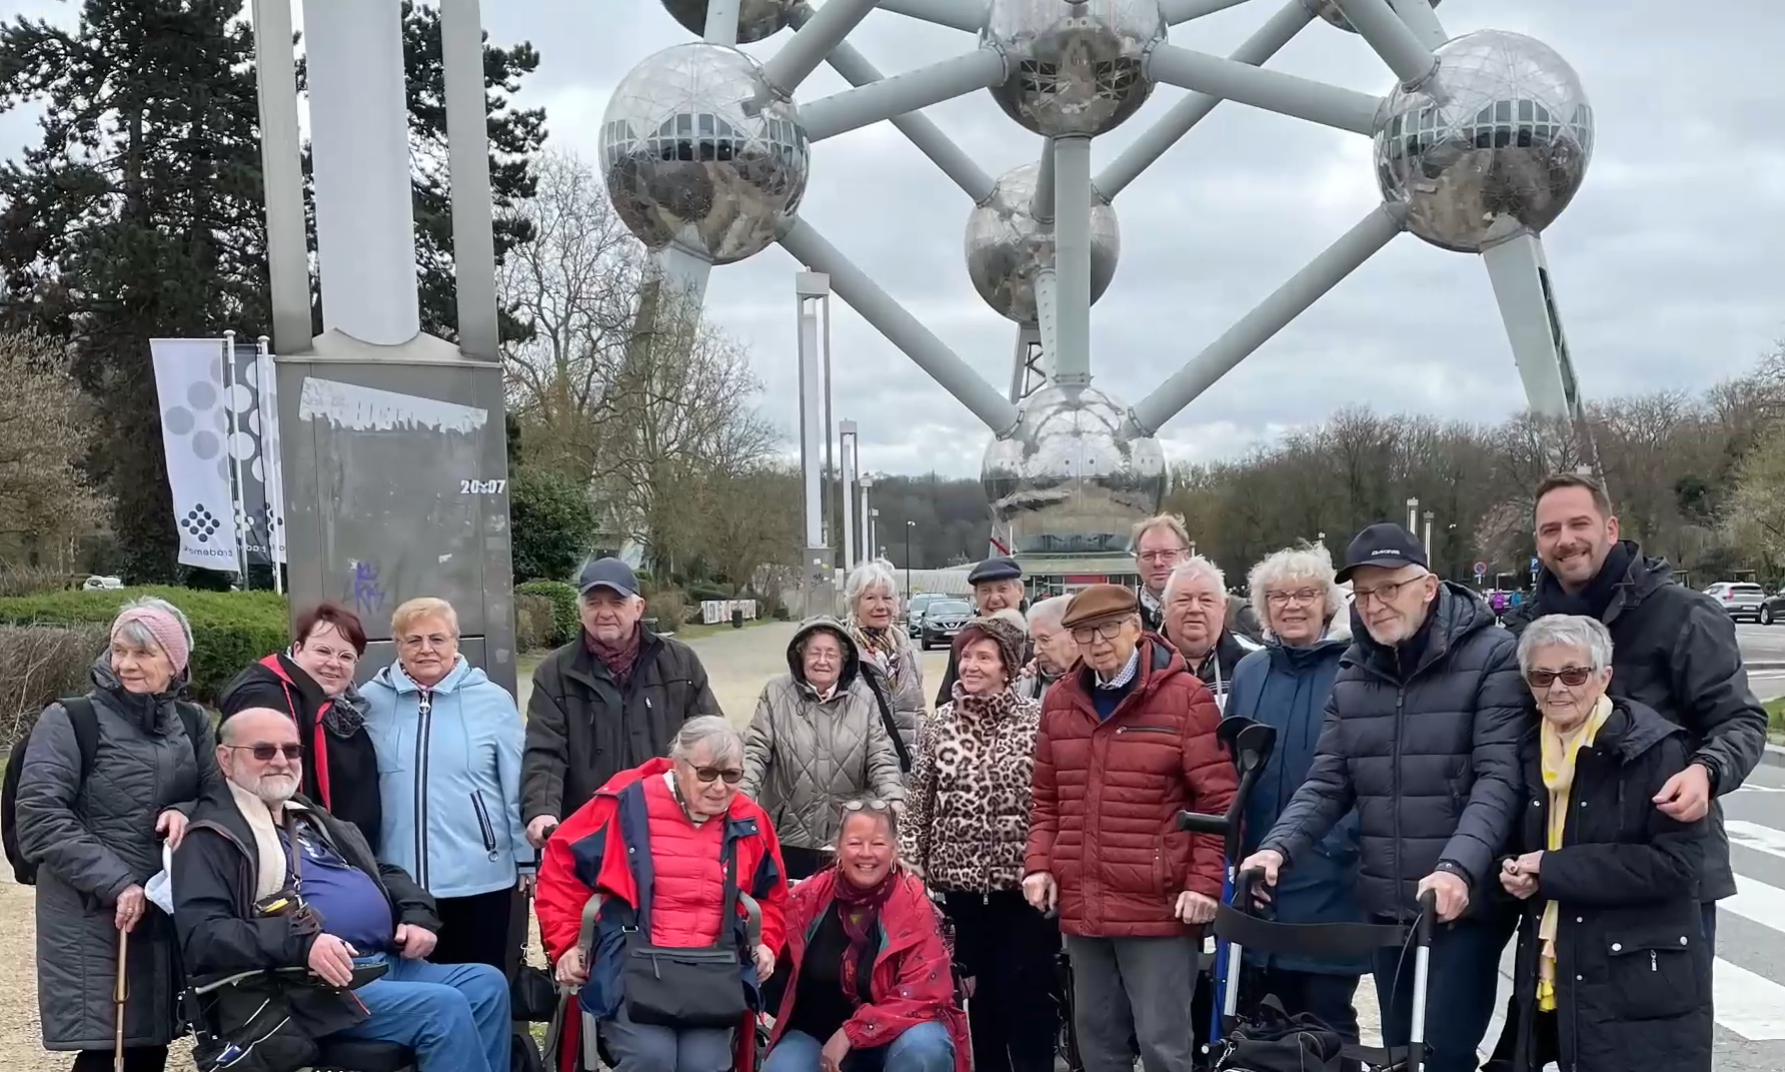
{"points": [[1775, 716]]}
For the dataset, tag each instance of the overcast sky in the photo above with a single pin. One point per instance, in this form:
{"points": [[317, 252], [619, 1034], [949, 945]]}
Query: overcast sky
{"points": [[1669, 266]]}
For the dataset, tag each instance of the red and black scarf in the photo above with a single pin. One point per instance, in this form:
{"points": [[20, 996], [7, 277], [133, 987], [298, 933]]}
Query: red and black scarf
{"points": [[859, 910]]}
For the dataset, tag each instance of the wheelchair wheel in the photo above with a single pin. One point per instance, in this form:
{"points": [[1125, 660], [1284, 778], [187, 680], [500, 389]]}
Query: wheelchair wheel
{"points": [[1066, 1055]]}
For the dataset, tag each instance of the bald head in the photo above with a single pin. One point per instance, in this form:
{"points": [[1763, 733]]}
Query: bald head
{"points": [[259, 749]]}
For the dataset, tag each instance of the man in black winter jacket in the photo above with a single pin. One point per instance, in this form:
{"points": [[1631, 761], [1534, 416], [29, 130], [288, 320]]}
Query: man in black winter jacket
{"points": [[266, 880], [1422, 737]]}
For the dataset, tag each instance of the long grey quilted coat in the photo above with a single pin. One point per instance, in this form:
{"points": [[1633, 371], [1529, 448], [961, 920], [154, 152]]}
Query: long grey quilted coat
{"points": [[803, 757], [905, 694], [91, 841]]}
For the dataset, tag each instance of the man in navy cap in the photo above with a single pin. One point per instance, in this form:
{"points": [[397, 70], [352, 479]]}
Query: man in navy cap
{"points": [[605, 702], [1422, 738], [997, 585]]}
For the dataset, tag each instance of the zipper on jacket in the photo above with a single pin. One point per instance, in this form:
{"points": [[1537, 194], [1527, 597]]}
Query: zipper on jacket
{"points": [[423, 723], [1400, 724], [1143, 729], [483, 822]]}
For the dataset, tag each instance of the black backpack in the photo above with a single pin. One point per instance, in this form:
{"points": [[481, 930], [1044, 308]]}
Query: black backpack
{"points": [[85, 723]]}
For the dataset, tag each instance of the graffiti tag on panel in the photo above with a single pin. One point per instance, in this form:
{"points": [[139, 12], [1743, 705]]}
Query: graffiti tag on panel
{"points": [[368, 594]]}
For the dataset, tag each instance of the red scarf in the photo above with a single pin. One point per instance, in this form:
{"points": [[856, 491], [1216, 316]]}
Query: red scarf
{"points": [[618, 658], [859, 910]]}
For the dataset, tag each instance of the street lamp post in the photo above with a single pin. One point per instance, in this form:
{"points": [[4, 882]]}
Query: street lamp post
{"points": [[1428, 537], [909, 525]]}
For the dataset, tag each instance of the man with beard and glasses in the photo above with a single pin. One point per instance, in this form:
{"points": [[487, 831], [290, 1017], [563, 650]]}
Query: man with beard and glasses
{"points": [[1673, 649], [265, 879]]}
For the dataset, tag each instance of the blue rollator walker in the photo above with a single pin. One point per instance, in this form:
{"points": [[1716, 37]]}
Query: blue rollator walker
{"points": [[1250, 744]]}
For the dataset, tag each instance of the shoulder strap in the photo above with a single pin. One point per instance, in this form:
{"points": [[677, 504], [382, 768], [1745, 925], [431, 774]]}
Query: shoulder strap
{"points": [[886, 719], [85, 723], [193, 718], [730, 896]]}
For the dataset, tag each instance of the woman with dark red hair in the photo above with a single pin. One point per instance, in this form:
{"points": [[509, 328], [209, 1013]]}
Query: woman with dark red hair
{"points": [[313, 683]]}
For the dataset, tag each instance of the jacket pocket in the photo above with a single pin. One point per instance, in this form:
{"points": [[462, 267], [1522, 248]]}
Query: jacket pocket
{"points": [[484, 826], [1654, 972]]}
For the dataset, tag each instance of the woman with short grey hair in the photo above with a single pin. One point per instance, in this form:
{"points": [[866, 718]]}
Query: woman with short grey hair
{"points": [[716, 735], [872, 595], [107, 779]]}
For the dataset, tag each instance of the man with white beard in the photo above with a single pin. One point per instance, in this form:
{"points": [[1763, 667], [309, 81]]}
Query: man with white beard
{"points": [[266, 879]]}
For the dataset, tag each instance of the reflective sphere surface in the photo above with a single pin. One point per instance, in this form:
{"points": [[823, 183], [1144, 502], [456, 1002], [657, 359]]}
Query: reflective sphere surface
{"points": [[1066, 479], [1007, 246], [1495, 143], [695, 152], [1074, 68], [757, 19], [1329, 11]]}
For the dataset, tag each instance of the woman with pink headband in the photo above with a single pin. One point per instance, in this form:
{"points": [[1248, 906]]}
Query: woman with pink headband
{"points": [[107, 778]]}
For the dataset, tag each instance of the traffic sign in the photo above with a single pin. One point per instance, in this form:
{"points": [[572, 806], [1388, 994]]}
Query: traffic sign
{"points": [[1535, 565], [1480, 570]]}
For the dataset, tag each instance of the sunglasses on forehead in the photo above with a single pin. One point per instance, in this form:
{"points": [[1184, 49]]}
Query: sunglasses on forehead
{"points": [[1573, 677], [852, 806]]}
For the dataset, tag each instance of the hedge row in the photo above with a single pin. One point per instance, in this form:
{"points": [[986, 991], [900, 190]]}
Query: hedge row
{"points": [[567, 621], [229, 629]]}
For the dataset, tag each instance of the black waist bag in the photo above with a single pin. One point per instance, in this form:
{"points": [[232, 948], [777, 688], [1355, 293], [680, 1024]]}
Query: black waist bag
{"points": [[1273, 1041], [683, 987]]}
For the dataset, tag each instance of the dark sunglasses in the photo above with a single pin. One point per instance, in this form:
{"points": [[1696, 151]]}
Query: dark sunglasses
{"points": [[1572, 676], [267, 752], [708, 775]]}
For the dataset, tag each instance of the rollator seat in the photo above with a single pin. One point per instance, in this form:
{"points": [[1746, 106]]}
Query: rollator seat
{"points": [[358, 1055]]}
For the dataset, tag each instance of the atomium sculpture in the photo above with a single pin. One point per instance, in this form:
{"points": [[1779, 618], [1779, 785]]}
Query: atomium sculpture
{"points": [[1481, 143]]}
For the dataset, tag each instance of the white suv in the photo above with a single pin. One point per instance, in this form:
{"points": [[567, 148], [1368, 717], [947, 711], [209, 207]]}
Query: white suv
{"points": [[1740, 600]]}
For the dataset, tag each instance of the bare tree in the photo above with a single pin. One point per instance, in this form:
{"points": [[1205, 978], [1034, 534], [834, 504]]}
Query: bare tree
{"points": [[46, 504]]}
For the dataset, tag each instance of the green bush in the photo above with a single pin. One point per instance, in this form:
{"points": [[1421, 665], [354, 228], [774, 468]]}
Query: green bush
{"points": [[229, 629], [567, 620], [42, 663], [535, 622], [703, 593], [668, 607], [551, 522]]}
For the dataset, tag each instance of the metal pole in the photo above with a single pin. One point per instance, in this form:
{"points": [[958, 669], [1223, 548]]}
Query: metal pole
{"points": [[722, 22], [1181, 11], [468, 164], [238, 499], [1376, 22], [1072, 260], [808, 46], [1185, 114], [1273, 91], [968, 15], [909, 525], [900, 327], [1254, 329], [1428, 517], [1422, 20], [810, 419], [867, 522], [1047, 319], [846, 480], [1412, 515], [874, 532], [272, 465], [282, 176], [901, 94], [1042, 205], [824, 505]]}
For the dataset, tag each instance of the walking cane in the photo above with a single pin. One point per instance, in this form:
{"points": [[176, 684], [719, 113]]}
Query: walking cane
{"points": [[120, 995]]}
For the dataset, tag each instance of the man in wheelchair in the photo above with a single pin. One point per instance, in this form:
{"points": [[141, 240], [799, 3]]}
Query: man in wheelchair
{"points": [[317, 942]]}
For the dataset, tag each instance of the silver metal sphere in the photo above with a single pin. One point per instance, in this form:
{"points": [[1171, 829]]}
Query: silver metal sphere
{"points": [[1007, 246], [695, 151], [1496, 142], [1329, 11], [757, 19], [1067, 479], [1075, 68]]}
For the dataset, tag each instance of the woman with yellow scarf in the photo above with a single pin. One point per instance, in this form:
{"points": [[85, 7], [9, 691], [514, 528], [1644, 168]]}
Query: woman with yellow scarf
{"points": [[1613, 970]]}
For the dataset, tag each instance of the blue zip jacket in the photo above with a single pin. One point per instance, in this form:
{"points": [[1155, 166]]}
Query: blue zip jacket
{"points": [[449, 775], [1288, 688]]}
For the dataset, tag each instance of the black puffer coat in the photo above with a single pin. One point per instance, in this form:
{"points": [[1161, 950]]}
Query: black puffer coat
{"points": [[1633, 970], [1674, 650], [1428, 757]]}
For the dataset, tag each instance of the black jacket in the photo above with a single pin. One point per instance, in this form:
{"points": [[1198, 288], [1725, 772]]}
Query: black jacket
{"points": [[582, 729], [352, 761], [1633, 970], [1675, 650], [1428, 757], [215, 874]]}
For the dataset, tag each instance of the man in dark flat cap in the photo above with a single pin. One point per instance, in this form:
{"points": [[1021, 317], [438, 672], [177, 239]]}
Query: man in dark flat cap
{"points": [[997, 584]]}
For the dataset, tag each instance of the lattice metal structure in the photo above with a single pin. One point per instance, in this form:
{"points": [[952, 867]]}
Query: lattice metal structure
{"points": [[1479, 145]]}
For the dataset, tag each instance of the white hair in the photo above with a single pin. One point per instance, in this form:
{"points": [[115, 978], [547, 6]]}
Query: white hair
{"points": [[137, 634], [1049, 611], [1195, 566], [711, 730], [1566, 631], [1311, 562], [867, 577]]}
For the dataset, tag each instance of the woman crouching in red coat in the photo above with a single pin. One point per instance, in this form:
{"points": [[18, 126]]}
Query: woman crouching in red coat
{"points": [[868, 980], [665, 846]]}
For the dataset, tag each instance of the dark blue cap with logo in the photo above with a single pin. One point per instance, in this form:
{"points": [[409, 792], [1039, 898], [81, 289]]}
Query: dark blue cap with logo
{"points": [[607, 573], [1384, 544]]}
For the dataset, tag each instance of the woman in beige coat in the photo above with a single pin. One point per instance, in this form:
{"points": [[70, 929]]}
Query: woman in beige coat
{"points": [[872, 593], [819, 739]]}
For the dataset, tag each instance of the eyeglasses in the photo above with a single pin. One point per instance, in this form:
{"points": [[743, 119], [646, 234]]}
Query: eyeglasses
{"points": [[1163, 556], [1300, 595], [266, 753], [709, 775], [1572, 676], [1106, 630], [1382, 593], [436, 641], [852, 806]]}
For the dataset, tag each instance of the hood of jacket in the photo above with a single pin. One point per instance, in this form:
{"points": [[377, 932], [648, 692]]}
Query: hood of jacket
{"points": [[852, 658], [141, 707], [1300, 658], [1456, 613], [462, 676]]}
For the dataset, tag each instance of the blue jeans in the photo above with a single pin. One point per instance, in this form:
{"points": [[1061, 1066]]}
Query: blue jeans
{"points": [[923, 1048], [455, 1017], [1460, 993]]}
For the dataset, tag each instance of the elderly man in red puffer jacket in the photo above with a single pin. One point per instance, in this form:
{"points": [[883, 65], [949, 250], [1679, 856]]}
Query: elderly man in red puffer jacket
{"points": [[1127, 742]]}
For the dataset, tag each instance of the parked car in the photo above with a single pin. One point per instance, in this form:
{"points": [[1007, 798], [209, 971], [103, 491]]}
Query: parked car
{"points": [[1741, 600], [942, 621], [914, 608]]}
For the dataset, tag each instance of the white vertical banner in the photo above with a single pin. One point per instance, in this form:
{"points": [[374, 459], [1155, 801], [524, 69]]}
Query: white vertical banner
{"points": [[194, 431], [271, 466]]}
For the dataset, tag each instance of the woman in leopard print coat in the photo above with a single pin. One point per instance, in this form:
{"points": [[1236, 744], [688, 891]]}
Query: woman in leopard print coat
{"points": [[965, 830]]}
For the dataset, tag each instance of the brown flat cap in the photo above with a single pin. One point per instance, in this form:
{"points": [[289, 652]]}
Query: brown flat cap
{"points": [[1098, 603]]}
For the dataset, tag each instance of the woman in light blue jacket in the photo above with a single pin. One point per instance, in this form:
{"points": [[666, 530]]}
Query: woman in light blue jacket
{"points": [[449, 778]]}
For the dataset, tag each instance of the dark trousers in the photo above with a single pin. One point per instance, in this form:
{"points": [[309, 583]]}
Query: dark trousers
{"points": [[136, 1059], [1008, 949], [1461, 986], [477, 930]]}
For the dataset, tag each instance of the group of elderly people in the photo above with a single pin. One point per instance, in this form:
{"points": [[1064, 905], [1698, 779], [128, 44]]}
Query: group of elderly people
{"points": [[851, 866]]}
